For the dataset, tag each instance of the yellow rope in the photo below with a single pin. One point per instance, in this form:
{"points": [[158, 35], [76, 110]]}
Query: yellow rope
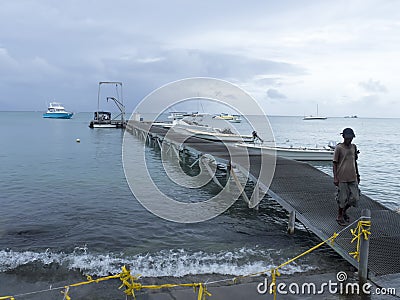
{"points": [[362, 230], [131, 285], [275, 271], [66, 295]]}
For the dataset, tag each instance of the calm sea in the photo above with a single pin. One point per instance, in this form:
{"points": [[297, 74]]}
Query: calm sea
{"points": [[68, 203]]}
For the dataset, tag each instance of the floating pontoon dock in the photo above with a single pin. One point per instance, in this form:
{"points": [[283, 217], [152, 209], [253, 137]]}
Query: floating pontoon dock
{"points": [[301, 188]]}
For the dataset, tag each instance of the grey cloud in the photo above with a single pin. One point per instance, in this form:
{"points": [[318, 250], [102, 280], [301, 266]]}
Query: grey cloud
{"points": [[275, 94], [270, 81], [178, 63], [373, 86]]}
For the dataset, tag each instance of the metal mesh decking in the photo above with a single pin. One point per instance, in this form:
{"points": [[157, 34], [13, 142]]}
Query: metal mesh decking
{"points": [[311, 193]]}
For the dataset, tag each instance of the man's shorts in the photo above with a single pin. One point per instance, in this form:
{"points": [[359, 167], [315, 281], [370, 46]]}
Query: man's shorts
{"points": [[347, 193]]}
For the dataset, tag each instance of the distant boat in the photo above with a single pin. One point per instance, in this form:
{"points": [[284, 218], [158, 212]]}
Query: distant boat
{"points": [[317, 117], [178, 115], [228, 117], [57, 111]]}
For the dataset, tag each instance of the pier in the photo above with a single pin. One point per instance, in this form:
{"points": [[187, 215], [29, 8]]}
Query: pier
{"points": [[308, 194]]}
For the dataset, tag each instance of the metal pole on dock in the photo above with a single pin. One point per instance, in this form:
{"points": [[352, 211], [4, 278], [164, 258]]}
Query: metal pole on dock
{"points": [[364, 249]]}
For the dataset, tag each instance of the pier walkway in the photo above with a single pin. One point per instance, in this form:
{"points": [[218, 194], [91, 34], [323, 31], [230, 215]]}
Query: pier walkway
{"points": [[309, 192]]}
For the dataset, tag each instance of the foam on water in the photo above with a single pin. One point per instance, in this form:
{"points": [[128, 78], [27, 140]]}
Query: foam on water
{"points": [[173, 262]]}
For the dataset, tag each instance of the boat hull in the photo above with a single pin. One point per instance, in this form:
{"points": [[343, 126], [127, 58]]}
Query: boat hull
{"points": [[300, 154], [221, 137], [314, 118], [65, 115], [107, 124], [103, 126]]}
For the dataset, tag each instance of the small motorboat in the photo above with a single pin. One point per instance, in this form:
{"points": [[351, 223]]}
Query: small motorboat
{"points": [[201, 126], [102, 119], [221, 136], [228, 117], [295, 153], [57, 111]]}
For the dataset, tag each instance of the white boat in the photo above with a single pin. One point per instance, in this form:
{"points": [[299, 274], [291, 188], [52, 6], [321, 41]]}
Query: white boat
{"points": [[299, 153], [314, 118], [178, 115], [204, 126], [221, 136], [228, 117], [57, 111], [317, 117]]}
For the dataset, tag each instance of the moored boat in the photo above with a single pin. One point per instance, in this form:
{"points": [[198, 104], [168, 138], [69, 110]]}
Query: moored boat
{"points": [[228, 117], [102, 119], [299, 153], [204, 126], [221, 136], [317, 117], [57, 111]]}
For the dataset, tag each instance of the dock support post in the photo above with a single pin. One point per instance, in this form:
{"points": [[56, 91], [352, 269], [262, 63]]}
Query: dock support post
{"points": [[364, 250], [228, 176], [239, 185], [208, 168], [183, 156], [228, 170], [176, 151], [292, 221], [159, 143]]}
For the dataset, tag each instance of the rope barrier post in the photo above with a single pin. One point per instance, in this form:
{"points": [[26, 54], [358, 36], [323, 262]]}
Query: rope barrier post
{"points": [[128, 297], [364, 250], [292, 221]]}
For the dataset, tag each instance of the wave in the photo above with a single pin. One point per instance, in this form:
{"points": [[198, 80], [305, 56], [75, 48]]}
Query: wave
{"points": [[171, 262]]}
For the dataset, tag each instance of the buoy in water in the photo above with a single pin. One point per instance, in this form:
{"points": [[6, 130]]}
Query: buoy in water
{"points": [[78, 140]]}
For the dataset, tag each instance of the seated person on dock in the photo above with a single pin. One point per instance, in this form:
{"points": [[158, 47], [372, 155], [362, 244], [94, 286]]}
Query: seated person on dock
{"points": [[346, 176]]}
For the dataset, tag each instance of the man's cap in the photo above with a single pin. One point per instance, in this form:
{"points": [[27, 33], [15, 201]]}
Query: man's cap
{"points": [[348, 133]]}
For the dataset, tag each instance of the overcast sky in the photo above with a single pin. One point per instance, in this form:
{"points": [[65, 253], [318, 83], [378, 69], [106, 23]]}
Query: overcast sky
{"points": [[289, 55]]}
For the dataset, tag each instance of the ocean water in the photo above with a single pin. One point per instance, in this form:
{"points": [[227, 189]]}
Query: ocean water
{"points": [[68, 204]]}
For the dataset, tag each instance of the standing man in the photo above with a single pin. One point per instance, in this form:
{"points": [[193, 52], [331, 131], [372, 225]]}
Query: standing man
{"points": [[346, 176]]}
